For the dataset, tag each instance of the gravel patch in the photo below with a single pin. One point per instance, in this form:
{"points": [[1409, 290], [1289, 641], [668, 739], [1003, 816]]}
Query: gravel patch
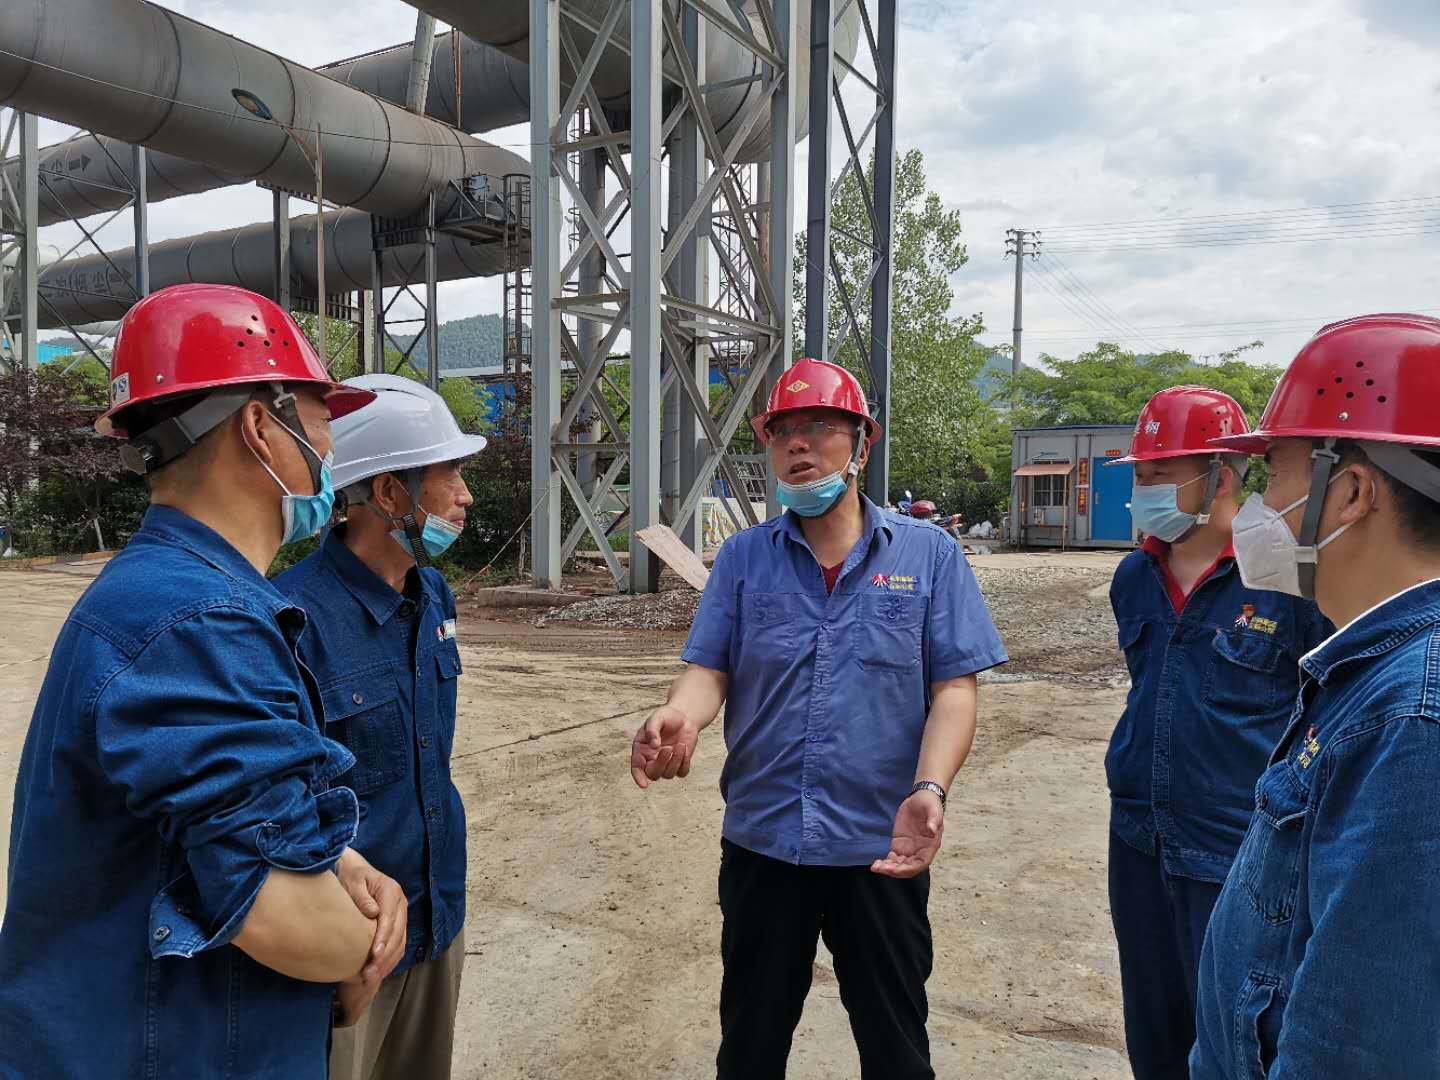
{"points": [[1055, 620]]}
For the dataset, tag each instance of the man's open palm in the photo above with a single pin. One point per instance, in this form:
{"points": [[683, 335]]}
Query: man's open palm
{"points": [[915, 840], [663, 747]]}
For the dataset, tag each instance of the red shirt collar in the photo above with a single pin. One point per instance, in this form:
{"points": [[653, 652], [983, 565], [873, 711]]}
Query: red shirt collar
{"points": [[1160, 550]]}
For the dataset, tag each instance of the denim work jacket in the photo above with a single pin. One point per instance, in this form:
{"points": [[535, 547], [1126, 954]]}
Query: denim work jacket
{"points": [[1323, 955], [388, 669], [829, 693], [174, 758], [1211, 686]]}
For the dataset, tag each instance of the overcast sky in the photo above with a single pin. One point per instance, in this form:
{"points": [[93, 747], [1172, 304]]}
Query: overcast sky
{"points": [[1042, 115]]}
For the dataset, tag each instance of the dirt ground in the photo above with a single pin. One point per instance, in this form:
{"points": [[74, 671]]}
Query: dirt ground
{"points": [[593, 926]]}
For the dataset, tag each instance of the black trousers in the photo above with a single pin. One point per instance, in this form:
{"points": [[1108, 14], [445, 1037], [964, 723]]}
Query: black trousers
{"points": [[1160, 922], [877, 929]]}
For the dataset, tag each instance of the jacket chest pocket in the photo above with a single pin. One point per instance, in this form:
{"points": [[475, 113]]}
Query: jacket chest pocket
{"points": [[890, 633], [447, 660], [363, 712], [768, 632], [1268, 864], [1244, 676]]}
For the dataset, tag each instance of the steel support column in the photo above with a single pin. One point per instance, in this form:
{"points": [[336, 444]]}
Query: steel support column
{"points": [[281, 232], [19, 244], [432, 300], [877, 473], [687, 167], [659, 292], [782, 211], [817, 205], [547, 220], [142, 223], [646, 203]]}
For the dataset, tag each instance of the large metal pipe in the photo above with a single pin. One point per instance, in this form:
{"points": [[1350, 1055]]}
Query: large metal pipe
{"points": [[422, 56], [136, 72], [90, 174], [91, 289]]}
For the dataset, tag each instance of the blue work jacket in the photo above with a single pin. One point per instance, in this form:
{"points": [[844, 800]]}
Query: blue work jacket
{"points": [[829, 693], [173, 758], [1211, 686], [1323, 955], [388, 668]]}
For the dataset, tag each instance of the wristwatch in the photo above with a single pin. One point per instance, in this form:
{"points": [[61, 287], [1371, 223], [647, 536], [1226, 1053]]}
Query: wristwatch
{"points": [[930, 785]]}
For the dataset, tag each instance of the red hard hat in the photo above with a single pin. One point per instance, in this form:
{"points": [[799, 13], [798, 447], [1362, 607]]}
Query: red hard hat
{"points": [[817, 384], [922, 509], [1182, 421], [1375, 378], [199, 337]]}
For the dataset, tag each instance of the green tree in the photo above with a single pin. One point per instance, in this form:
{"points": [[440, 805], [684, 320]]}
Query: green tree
{"points": [[1110, 385], [938, 416]]}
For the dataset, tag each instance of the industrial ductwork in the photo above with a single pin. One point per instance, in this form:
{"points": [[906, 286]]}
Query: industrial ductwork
{"points": [[91, 289], [91, 174], [138, 73]]}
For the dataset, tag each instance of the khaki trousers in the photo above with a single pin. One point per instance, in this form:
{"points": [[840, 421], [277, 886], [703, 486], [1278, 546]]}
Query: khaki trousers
{"points": [[408, 1033]]}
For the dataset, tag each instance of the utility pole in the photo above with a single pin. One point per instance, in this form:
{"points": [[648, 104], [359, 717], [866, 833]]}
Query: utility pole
{"points": [[1019, 243]]}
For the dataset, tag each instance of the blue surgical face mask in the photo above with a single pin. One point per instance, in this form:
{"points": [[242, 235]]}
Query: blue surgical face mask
{"points": [[818, 496], [304, 515], [437, 535], [1157, 513]]}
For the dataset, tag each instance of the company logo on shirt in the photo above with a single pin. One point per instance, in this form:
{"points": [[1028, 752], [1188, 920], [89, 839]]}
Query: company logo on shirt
{"points": [[893, 582], [445, 631], [1311, 750], [1248, 620]]}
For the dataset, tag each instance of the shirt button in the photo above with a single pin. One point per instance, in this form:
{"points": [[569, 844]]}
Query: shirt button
{"points": [[358, 698], [809, 794], [425, 742], [1264, 800], [161, 933], [407, 608], [434, 812]]}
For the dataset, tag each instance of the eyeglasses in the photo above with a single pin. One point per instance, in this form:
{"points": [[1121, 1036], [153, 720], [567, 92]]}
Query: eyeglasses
{"points": [[809, 430]]}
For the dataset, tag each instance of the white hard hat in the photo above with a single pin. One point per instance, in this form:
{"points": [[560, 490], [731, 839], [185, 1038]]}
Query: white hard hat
{"points": [[407, 426]]}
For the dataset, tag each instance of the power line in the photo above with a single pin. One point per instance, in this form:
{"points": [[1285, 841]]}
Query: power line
{"points": [[1085, 289], [1332, 207], [1060, 289], [1092, 248]]}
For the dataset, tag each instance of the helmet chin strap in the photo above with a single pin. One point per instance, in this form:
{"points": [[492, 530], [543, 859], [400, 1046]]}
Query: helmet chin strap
{"points": [[1307, 554], [407, 521], [410, 525], [1212, 486]]}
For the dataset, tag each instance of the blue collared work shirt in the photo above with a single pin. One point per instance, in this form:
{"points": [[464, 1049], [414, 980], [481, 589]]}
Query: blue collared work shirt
{"points": [[173, 758], [1210, 689], [388, 668], [829, 693], [1323, 954]]}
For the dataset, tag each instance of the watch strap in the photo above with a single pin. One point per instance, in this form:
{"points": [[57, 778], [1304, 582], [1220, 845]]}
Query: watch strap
{"points": [[932, 786]]}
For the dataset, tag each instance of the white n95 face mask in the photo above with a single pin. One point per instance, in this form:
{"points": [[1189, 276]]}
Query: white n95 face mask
{"points": [[1267, 552]]}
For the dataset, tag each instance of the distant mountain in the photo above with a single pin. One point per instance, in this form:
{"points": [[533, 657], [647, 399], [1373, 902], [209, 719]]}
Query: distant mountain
{"points": [[476, 342], [992, 378]]}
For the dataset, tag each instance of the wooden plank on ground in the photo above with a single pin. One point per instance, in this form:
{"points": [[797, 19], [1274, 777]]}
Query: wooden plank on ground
{"points": [[661, 539]]}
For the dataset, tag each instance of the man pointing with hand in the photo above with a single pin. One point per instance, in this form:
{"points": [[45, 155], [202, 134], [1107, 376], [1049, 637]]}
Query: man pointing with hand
{"points": [[846, 642]]}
